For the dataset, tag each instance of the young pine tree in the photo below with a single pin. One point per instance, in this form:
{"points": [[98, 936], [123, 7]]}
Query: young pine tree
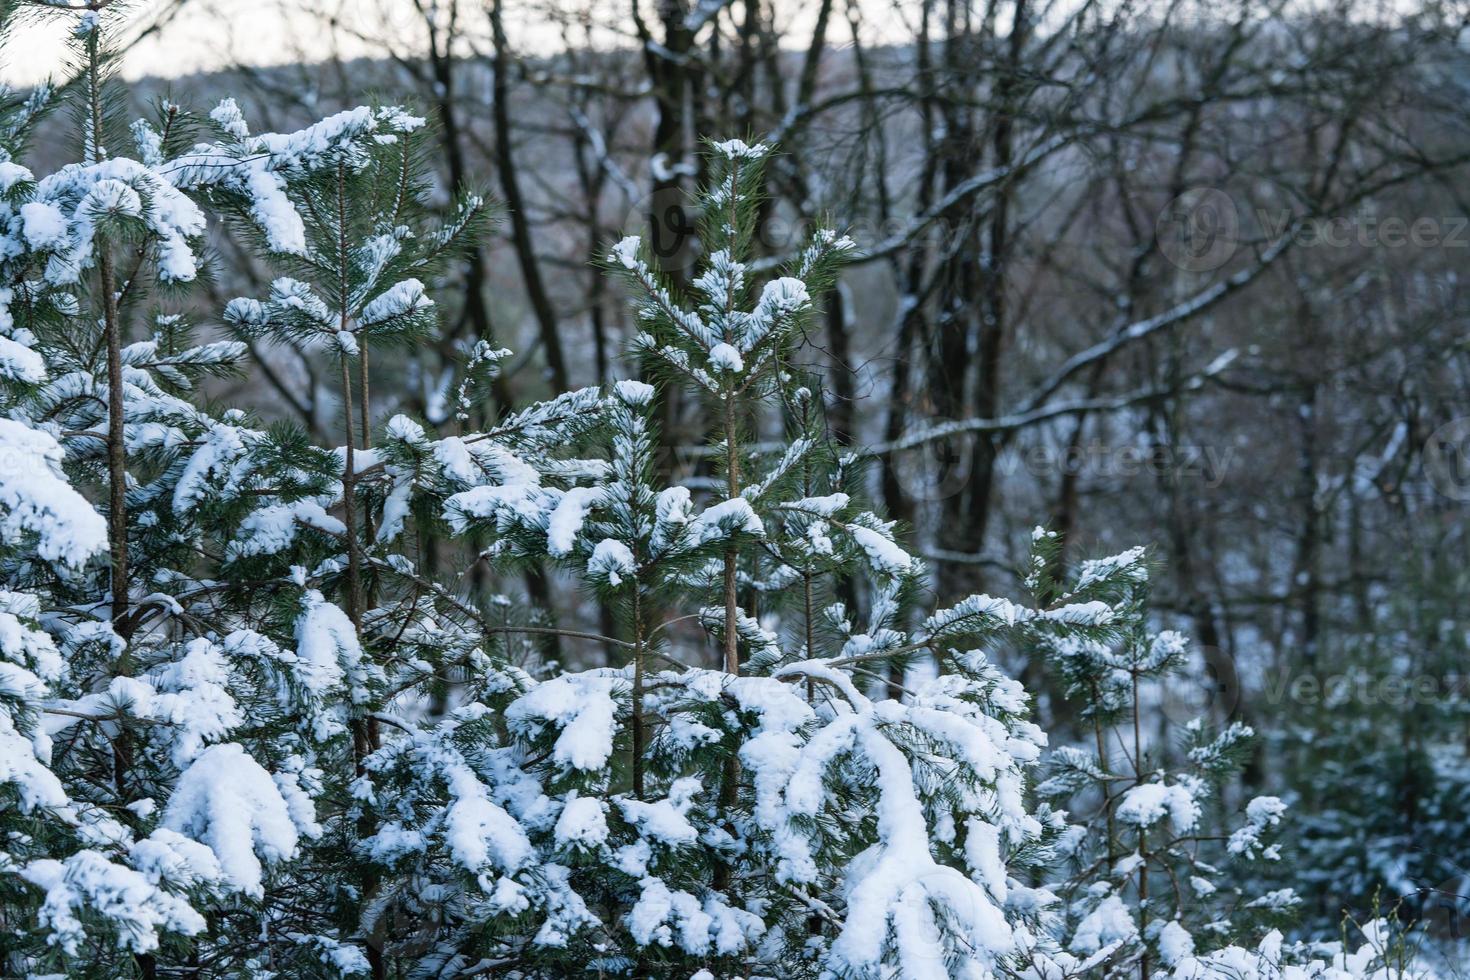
{"points": [[663, 816], [184, 710], [1156, 876]]}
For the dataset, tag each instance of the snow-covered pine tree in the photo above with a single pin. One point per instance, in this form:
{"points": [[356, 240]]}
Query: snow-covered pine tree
{"points": [[114, 691], [1143, 864], [350, 225], [1151, 877], [178, 713], [774, 814]]}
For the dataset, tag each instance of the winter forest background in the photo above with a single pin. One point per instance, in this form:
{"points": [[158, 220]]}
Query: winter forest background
{"points": [[904, 488]]}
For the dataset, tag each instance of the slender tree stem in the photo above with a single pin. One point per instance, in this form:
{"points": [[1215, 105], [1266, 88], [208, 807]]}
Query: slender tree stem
{"points": [[638, 732], [349, 505], [364, 730], [365, 407], [1102, 764], [730, 778], [732, 471], [117, 460], [1143, 963], [1137, 735], [349, 470], [117, 463]]}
